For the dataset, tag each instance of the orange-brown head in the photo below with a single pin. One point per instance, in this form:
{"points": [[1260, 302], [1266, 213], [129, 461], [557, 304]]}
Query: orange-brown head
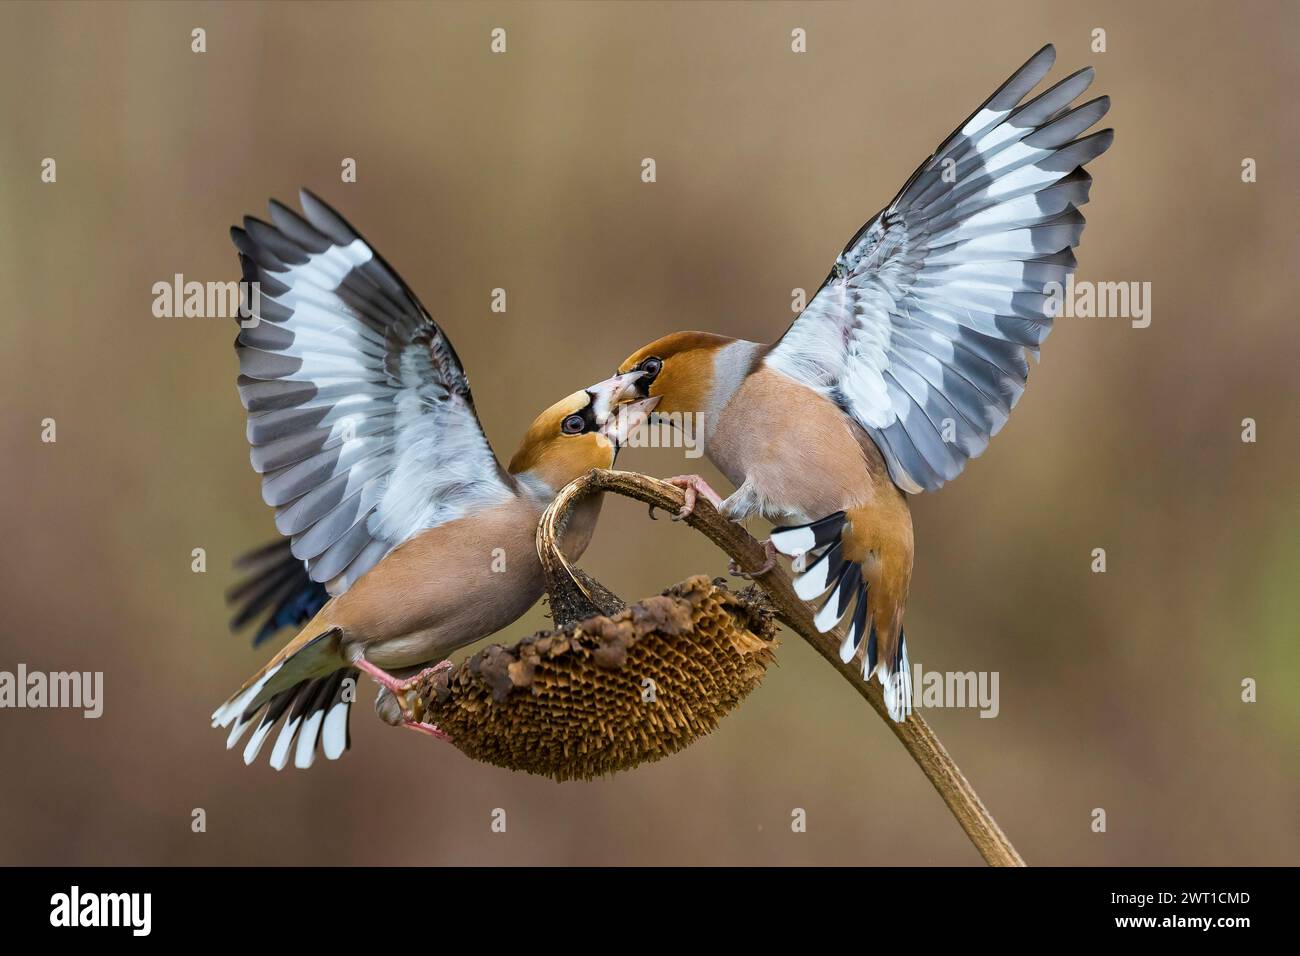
{"points": [[678, 369], [578, 433]]}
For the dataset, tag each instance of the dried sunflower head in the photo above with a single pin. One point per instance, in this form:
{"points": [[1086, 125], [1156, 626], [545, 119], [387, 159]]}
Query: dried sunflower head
{"points": [[611, 692]]}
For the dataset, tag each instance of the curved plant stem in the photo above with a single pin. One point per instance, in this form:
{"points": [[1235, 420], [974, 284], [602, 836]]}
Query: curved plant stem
{"points": [[575, 595]]}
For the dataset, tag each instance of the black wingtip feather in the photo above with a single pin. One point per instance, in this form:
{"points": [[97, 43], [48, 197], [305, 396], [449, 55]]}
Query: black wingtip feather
{"points": [[276, 584]]}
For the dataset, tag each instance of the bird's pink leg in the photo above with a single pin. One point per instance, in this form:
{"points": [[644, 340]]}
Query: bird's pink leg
{"points": [[396, 684], [735, 569], [398, 688], [693, 486]]}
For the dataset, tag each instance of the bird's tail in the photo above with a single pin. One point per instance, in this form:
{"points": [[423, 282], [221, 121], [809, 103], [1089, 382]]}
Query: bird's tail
{"points": [[826, 559], [299, 686]]}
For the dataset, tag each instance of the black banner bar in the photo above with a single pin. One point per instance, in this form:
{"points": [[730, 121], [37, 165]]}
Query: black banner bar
{"points": [[227, 905]]}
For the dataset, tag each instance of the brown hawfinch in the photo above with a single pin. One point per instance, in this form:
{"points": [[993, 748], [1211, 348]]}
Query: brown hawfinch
{"points": [[406, 538], [910, 356]]}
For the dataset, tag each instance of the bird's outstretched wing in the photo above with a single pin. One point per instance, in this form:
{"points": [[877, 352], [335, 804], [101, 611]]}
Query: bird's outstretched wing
{"points": [[359, 412], [921, 329]]}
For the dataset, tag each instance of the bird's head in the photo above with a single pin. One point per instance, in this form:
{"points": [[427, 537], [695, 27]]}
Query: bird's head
{"points": [[580, 432], [677, 369]]}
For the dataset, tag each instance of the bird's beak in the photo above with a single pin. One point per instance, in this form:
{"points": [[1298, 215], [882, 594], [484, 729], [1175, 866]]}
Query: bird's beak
{"points": [[606, 395], [627, 418]]}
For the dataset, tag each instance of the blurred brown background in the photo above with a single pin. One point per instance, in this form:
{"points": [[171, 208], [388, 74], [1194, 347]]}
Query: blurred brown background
{"points": [[1119, 691]]}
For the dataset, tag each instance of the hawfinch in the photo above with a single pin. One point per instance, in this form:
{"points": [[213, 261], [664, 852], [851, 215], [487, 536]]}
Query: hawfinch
{"points": [[406, 538], [910, 356]]}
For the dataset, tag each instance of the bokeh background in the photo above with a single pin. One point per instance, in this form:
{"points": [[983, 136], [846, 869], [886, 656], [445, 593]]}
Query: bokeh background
{"points": [[1118, 690]]}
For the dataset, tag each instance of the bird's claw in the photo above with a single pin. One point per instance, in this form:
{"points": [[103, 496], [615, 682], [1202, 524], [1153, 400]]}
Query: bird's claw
{"points": [[424, 728], [770, 550], [400, 688], [693, 487]]}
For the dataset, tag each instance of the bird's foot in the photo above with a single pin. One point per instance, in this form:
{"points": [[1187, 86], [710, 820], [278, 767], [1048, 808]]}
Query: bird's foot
{"points": [[397, 685], [695, 487], [422, 728], [770, 550], [400, 688]]}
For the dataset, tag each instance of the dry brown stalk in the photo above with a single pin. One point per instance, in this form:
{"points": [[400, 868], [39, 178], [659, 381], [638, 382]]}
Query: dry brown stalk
{"points": [[575, 595]]}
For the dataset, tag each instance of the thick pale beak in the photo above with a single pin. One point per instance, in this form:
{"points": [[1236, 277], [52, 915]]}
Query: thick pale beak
{"points": [[606, 395], [627, 418]]}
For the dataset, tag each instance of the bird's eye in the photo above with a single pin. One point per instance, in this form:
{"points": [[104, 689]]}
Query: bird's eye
{"points": [[652, 367], [573, 425]]}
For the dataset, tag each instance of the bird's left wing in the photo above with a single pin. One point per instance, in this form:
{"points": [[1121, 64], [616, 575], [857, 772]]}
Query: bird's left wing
{"points": [[921, 328], [359, 412]]}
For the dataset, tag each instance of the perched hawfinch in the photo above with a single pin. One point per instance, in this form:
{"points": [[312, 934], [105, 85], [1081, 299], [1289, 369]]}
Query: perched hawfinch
{"points": [[910, 356], [406, 538]]}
